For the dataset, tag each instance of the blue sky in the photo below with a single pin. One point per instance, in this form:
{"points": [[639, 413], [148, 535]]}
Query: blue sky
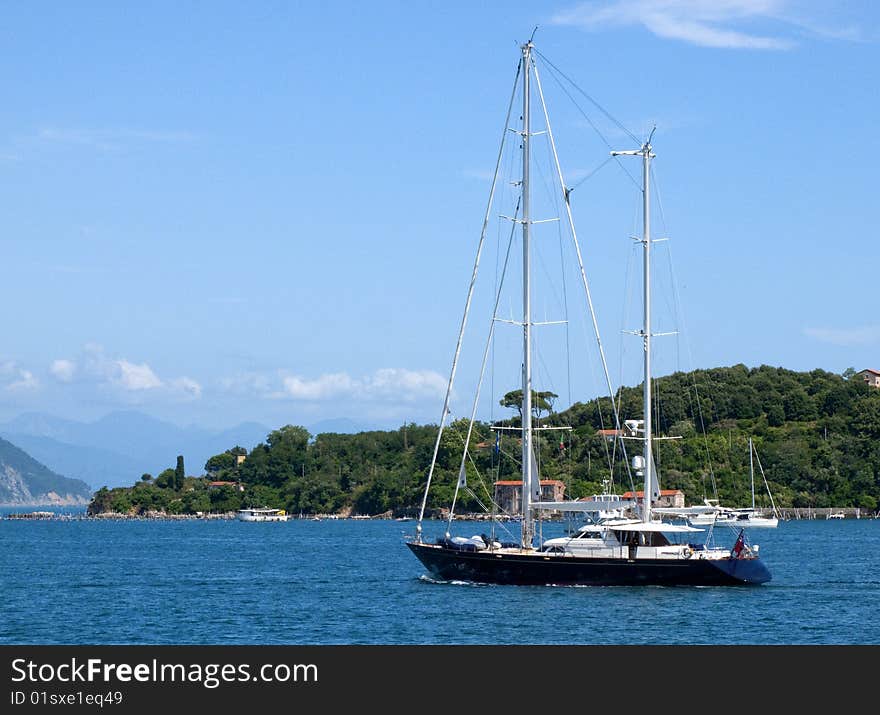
{"points": [[218, 212]]}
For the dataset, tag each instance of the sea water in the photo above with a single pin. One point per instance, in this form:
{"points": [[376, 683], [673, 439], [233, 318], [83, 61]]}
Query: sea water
{"points": [[307, 582]]}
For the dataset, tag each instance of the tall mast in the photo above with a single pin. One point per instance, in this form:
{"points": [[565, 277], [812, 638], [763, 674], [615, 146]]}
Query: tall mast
{"points": [[528, 530], [646, 330], [647, 155], [752, 471]]}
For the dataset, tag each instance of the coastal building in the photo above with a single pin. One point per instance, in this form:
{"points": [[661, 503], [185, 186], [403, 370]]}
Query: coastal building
{"points": [[668, 497], [872, 377], [508, 493]]}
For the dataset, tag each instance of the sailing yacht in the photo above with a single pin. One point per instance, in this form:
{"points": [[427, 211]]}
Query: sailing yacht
{"points": [[625, 549], [715, 514]]}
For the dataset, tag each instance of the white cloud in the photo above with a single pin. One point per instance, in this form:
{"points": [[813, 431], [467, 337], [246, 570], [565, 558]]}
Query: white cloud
{"points": [[63, 370], [846, 337], [707, 23], [407, 384], [130, 376], [323, 387], [95, 367], [110, 139], [384, 384], [186, 386], [26, 381], [17, 378]]}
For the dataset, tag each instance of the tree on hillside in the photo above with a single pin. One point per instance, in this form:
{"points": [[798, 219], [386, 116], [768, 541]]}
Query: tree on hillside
{"points": [[541, 401], [166, 479], [225, 461], [179, 473], [281, 458], [220, 462]]}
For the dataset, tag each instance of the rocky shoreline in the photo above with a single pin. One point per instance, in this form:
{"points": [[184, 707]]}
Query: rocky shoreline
{"points": [[786, 514]]}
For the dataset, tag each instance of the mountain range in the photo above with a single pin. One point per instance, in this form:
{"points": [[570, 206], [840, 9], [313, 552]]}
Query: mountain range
{"points": [[121, 446], [24, 481]]}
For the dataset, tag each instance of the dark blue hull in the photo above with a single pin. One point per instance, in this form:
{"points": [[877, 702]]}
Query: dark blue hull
{"points": [[451, 564]]}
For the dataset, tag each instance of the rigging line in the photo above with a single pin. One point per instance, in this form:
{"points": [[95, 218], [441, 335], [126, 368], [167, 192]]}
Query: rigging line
{"points": [[553, 198], [498, 254], [610, 455], [476, 471], [544, 370], [696, 397], [496, 522], [657, 196], [589, 121], [591, 174], [467, 305], [551, 289], [485, 489], [680, 313], [592, 101], [517, 460], [699, 413], [769, 493], [486, 352], [467, 488], [625, 306], [580, 260], [562, 272], [676, 318], [466, 455], [477, 499], [658, 199]]}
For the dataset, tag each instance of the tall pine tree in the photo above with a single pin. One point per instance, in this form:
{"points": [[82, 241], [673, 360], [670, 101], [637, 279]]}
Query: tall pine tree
{"points": [[179, 473]]}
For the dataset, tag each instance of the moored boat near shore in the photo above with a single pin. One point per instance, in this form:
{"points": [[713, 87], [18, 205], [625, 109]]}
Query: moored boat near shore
{"points": [[263, 514]]}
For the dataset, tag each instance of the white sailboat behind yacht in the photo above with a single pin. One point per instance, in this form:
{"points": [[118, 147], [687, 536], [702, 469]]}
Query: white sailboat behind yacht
{"points": [[715, 514]]}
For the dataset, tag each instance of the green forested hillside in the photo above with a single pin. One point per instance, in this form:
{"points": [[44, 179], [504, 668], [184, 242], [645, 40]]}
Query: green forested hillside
{"points": [[817, 435]]}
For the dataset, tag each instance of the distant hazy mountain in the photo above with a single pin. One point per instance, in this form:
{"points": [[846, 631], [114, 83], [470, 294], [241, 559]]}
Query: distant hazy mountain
{"points": [[116, 449], [95, 466], [24, 481]]}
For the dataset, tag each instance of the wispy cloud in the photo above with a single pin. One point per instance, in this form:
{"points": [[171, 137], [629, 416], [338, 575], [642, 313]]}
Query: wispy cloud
{"points": [[846, 337], [385, 384], [733, 24], [130, 376], [110, 139], [322, 387], [15, 378], [62, 370], [186, 386], [125, 376], [25, 382]]}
